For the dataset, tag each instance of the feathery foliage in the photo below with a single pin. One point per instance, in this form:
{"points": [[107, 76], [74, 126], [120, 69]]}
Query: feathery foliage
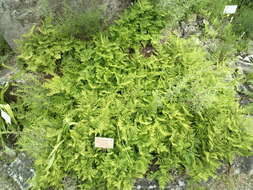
{"points": [[165, 104]]}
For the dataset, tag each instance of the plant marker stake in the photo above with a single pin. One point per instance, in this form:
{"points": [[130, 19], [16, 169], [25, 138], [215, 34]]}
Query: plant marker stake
{"points": [[6, 117], [230, 9], [101, 142]]}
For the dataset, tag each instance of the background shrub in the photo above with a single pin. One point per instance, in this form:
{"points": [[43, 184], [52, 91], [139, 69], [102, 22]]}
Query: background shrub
{"points": [[243, 22], [82, 25]]}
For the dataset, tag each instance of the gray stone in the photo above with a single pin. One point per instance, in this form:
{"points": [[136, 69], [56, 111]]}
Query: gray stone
{"points": [[188, 29], [192, 26], [248, 59], [245, 64], [6, 183], [144, 184], [244, 165], [20, 170], [10, 152], [18, 16], [181, 183], [6, 75], [69, 184]]}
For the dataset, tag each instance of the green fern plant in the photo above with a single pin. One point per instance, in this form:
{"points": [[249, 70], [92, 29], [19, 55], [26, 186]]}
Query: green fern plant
{"points": [[173, 108]]}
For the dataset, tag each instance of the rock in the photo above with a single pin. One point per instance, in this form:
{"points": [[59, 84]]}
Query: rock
{"points": [[143, 183], [245, 101], [181, 183], [6, 183], [247, 59], [10, 152], [243, 165], [69, 184], [20, 170], [153, 187], [190, 27], [18, 16], [6, 74], [245, 64]]}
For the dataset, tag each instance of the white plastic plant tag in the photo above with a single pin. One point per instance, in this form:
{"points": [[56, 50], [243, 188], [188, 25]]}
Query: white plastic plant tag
{"points": [[6, 117], [101, 142], [230, 9]]}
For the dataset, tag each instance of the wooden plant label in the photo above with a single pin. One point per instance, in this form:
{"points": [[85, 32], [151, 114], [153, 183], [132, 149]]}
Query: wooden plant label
{"points": [[230, 9], [101, 142], [6, 117]]}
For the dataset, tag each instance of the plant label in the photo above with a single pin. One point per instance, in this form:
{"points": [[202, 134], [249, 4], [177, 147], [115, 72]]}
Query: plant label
{"points": [[6, 117], [101, 142], [230, 9]]}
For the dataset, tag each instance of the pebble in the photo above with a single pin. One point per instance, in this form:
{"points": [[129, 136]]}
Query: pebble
{"points": [[152, 187], [181, 183], [237, 171]]}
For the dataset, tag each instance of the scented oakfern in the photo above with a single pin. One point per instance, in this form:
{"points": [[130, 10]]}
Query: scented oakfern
{"points": [[170, 108]]}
